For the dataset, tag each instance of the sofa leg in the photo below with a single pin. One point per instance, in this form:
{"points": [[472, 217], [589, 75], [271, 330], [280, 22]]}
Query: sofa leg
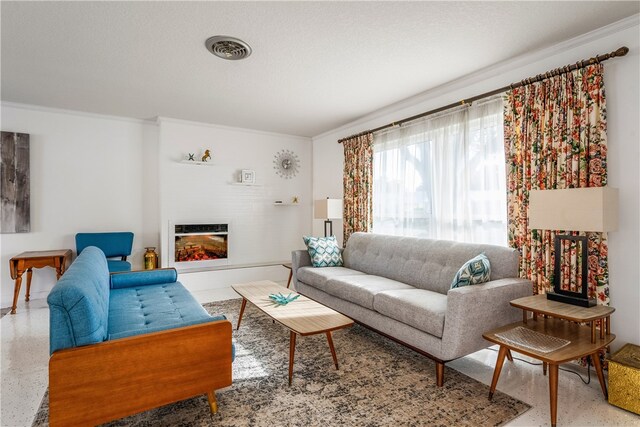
{"points": [[213, 404], [439, 374]]}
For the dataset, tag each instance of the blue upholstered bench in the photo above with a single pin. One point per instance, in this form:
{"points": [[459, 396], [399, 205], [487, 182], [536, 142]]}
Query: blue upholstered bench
{"points": [[140, 336]]}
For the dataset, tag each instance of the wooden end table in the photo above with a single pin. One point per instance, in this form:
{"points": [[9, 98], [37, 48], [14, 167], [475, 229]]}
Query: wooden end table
{"points": [[302, 317], [560, 320], [288, 266], [27, 261]]}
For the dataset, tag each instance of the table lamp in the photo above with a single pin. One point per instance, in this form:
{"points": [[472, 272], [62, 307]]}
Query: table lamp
{"points": [[593, 209], [328, 209]]}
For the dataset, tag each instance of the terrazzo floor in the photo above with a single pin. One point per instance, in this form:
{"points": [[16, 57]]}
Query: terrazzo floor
{"points": [[24, 340]]}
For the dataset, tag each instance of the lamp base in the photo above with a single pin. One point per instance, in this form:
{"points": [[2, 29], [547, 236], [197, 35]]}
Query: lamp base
{"points": [[567, 299]]}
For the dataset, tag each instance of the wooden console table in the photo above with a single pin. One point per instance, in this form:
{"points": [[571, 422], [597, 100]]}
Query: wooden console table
{"points": [[27, 261], [559, 320]]}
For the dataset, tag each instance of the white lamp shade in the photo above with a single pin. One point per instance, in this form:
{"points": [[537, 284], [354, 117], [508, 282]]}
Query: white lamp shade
{"points": [[328, 209], [574, 209]]}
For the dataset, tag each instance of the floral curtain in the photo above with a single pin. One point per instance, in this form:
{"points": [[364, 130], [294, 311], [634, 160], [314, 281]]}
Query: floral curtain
{"points": [[358, 180], [555, 138]]}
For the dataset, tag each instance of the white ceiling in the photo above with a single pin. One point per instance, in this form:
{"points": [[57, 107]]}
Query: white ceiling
{"points": [[314, 67]]}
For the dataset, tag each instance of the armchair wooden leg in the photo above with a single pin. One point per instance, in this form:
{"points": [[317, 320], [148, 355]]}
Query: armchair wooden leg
{"points": [[213, 404]]}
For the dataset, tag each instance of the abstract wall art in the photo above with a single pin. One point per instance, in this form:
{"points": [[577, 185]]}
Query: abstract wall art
{"points": [[15, 212]]}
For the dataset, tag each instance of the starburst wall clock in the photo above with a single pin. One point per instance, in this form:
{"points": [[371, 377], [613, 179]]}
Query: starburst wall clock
{"points": [[286, 164]]}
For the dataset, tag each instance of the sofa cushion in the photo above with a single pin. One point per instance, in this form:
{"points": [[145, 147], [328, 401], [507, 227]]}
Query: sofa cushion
{"points": [[324, 251], [143, 309], [423, 263], [79, 302], [361, 289], [317, 277], [475, 271], [422, 309]]}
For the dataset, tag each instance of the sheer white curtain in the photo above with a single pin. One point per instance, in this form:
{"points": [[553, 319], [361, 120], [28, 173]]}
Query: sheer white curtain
{"points": [[444, 177]]}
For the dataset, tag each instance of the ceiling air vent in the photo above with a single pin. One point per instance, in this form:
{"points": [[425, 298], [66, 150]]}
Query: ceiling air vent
{"points": [[228, 47]]}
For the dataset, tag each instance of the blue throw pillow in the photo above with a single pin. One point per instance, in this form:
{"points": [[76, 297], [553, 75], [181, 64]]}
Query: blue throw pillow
{"points": [[324, 251], [476, 270]]}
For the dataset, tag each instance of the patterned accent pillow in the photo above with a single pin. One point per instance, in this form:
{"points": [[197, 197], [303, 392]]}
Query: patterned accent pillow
{"points": [[475, 271], [324, 251]]}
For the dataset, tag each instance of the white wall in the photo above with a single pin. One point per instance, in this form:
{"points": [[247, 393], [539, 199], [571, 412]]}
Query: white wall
{"points": [[88, 173], [259, 232], [622, 77], [100, 173]]}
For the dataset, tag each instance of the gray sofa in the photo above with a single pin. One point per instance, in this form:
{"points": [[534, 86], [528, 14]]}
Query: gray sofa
{"points": [[399, 287]]}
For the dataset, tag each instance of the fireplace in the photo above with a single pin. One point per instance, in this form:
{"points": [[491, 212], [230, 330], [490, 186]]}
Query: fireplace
{"points": [[200, 245]]}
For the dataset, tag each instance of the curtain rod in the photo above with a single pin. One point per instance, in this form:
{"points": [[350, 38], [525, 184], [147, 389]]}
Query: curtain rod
{"points": [[556, 72]]}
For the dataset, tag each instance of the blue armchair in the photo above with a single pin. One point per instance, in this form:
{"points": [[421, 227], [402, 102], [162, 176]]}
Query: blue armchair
{"points": [[112, 244]]}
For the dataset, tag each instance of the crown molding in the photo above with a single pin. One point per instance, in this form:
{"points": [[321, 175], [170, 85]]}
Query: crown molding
{"points": [[162, 119], [8, 104], [482, 74]]}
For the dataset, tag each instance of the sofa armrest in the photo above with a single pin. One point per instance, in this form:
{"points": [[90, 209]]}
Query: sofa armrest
{"points": [[299, 258], [129, 279], [473, 310]]}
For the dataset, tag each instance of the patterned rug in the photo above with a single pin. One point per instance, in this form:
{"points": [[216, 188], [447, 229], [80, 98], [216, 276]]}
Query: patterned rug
{"points": [[380, 383]]}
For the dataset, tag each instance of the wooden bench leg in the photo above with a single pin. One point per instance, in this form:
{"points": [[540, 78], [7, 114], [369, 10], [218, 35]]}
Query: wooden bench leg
{"points": [[439, 374], [213, 404]]}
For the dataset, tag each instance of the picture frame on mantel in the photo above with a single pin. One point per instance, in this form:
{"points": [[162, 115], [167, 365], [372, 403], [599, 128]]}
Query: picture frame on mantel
{"points": [[15, 206], [248, 176]]}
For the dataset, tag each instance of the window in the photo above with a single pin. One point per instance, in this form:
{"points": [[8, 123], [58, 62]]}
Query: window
{"points": [[444, 177]]}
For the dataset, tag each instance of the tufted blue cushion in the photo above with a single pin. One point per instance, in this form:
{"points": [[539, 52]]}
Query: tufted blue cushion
{"points": [[79, 302], [150, 308], [143, 278]]}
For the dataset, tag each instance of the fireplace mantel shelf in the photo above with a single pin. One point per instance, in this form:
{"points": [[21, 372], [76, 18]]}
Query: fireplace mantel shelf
{"points": [[231, 267]]}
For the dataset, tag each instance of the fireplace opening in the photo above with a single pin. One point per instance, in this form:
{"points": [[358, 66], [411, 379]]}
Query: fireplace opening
{"points": [[200, 242]]}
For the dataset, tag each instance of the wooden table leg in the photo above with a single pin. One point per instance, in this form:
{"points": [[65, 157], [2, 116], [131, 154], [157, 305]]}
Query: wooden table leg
{"points": [[595, 357], [59, 266], [608, 324], [544, 368], [602, 328], [509, 356], [553, 392], [29, 273], [290, 276], [16, 291], [593, 331], [244, 304], [496, 373], [292, 352], [333, 350]]}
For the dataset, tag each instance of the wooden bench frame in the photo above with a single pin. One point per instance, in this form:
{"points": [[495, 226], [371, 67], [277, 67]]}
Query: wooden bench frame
{"points": [[97, 383]]}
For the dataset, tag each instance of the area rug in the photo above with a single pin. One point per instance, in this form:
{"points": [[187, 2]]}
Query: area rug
{"points": [[380, 383]]}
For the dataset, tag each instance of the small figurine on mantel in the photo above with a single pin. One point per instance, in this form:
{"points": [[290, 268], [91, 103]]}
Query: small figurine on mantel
{"points": [[207, 155], [192, 157]]}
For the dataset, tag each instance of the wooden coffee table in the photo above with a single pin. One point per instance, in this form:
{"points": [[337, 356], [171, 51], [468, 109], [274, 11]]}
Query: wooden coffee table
{"points": [[302, 317]]}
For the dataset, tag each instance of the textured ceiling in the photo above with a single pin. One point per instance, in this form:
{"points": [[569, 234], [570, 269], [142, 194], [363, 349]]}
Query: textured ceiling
{"points": [[314, 67]]}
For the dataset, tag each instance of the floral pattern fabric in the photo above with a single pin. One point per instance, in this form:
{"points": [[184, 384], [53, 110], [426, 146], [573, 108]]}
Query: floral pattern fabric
{"points": [[358, 180], [555, 138]]}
